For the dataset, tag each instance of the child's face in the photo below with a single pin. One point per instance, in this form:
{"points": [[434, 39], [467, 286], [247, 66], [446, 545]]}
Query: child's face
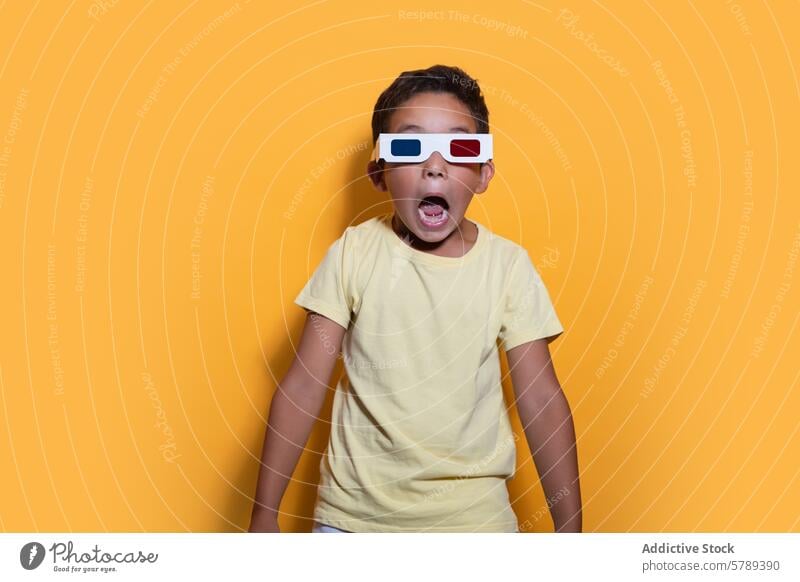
{"points": [[408, 184]]}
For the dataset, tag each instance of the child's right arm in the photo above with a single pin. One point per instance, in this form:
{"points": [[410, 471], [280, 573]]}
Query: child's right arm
{"points": [[293, 411]]}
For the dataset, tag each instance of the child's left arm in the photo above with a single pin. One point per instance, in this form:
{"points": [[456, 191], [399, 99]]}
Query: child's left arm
{"points": [[547, 420]]}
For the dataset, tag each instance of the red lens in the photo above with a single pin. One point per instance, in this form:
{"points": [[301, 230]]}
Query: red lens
{"points": [[465, 148]]}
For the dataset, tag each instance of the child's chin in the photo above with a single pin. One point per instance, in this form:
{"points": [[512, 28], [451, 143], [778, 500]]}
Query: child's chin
{"points": [[434, 236]]}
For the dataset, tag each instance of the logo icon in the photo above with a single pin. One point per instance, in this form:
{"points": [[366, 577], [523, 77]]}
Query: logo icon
{"points": [[31, 555]]}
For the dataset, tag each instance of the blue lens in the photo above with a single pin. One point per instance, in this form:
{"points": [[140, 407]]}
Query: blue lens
{"points": [[406, 147]]}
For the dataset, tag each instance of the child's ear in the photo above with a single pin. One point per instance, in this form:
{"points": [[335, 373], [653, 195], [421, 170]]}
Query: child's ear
{"points": [[487, 172], [375, 173]]}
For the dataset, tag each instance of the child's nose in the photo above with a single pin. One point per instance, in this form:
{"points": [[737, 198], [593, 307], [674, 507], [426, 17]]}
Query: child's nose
{"points": [[435, 165]]}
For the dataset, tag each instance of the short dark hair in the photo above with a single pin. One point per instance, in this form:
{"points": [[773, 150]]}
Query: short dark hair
{"points": [[437, 79]]}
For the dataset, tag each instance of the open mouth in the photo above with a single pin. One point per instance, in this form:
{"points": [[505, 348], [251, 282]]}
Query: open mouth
{"points": [[433, 211]]}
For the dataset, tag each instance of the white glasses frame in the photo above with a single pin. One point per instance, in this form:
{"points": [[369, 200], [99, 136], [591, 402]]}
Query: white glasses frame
{"points": [[429, 143]]}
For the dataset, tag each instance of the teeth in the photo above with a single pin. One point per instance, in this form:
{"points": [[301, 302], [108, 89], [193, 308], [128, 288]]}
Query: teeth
{"points": [[434, 220]]}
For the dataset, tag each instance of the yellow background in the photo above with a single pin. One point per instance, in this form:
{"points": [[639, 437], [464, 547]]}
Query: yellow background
{"points": [[171, 174]]}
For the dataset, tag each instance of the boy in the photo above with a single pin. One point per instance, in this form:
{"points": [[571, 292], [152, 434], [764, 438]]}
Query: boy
{"points": [[416, 299]]}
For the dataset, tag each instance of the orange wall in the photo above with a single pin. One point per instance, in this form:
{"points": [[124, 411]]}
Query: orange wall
{"points": [[170, 175]]}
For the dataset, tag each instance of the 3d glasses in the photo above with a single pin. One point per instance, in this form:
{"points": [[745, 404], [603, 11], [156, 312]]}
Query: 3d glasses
{"points": [[417, 147]]}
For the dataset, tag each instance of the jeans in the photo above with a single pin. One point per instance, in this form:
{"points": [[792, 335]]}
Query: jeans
{"points": [[322, 528]]}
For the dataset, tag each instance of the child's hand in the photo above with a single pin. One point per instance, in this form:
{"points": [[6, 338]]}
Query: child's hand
{"points": [[264, 523]]}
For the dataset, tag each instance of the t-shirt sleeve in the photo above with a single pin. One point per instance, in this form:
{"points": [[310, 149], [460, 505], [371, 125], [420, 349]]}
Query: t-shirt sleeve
{"points": [[326, 292], [529, 314]]}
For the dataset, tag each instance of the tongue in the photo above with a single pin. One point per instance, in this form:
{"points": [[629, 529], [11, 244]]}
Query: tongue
{"points": [[431, 209], [431, 206]]}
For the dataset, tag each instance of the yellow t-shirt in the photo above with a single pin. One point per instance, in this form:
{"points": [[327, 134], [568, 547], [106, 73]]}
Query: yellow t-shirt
{"points": [[420, 436]]}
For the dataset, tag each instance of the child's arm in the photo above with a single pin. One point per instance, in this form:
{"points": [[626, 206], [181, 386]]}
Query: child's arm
{"points": [[293, 411], [549, 430]]}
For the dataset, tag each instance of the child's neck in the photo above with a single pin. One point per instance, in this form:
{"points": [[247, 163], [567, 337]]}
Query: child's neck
{"points": [[455, 245]]}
